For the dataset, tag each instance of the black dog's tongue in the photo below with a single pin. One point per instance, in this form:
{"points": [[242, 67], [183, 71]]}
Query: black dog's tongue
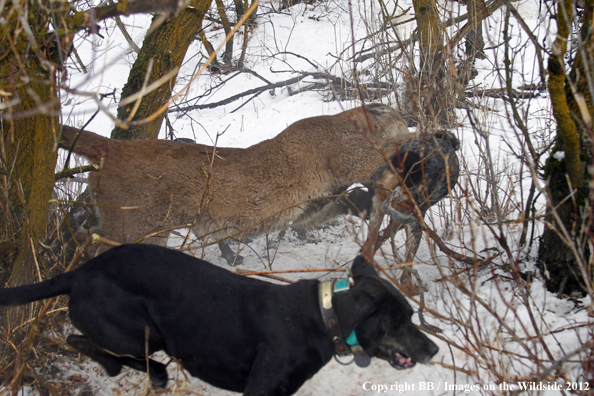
{"points": [[362, 359], [400, 361]]}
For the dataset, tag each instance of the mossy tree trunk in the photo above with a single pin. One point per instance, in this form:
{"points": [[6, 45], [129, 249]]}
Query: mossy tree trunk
{"points": [[164, 49], [28, 149], [565, 259], [29, 153], [28, 163], [29, 129]]}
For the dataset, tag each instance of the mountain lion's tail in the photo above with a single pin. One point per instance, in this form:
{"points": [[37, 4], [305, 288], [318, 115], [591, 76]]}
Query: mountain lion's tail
{"points": [[86, 143]]}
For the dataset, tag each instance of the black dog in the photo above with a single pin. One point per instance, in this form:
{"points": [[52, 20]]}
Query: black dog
{"points": [[234, 332]]}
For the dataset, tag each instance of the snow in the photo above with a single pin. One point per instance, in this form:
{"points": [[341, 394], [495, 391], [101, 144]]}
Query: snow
{"points": [[487, 333]]}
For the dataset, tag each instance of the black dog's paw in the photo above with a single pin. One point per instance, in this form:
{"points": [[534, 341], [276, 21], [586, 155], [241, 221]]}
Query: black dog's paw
{"points": [[76, 341], [158, 376], [159, 383], [112, 369]]}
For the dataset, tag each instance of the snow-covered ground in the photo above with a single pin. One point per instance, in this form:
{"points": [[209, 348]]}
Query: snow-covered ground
{"points": [[489, 339]]}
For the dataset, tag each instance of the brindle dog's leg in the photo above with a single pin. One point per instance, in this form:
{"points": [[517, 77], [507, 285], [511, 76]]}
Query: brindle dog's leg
{"points": [[229, 255]]}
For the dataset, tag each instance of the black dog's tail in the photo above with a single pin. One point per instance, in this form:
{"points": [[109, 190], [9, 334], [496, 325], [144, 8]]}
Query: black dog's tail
{"points": [[61, 284]]}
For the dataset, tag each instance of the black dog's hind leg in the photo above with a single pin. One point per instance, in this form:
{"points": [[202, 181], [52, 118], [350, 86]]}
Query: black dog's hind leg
{"points": [[113, 364]]}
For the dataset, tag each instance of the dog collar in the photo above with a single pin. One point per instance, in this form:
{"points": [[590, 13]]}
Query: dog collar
{"points": [[342, 346], [326, 291]]}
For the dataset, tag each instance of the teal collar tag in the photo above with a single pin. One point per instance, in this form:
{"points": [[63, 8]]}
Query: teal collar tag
{"points": [[352, 339], [341, 285], [362, 359]]}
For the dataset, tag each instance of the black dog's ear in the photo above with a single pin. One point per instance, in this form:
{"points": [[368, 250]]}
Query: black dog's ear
{"points": [[362, 267]]}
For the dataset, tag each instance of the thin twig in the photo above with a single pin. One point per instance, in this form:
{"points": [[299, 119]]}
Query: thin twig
{"points": [[124, 31]]}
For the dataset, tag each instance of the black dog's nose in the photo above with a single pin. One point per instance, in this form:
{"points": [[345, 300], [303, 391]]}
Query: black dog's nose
{"points": [[425, 350], [433, 348]]}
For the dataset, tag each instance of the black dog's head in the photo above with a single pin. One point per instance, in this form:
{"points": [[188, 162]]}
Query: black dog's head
{"points": [[385, 329]]}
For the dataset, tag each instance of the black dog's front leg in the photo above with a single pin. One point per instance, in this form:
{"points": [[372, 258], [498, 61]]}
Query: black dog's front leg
{"points": [[280, 372]]}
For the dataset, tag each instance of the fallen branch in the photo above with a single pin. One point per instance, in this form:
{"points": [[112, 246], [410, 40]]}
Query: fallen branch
{"points": [[238, 96], [256, 91], [501, 93]]}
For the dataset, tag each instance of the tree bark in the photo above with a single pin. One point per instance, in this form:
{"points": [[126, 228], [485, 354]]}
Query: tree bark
{"points": [[164, 48], [573, 111], [429, 34], [28, 144], [228, 54], [430, 88], [566, 128], [28, 147], [474, 39]]}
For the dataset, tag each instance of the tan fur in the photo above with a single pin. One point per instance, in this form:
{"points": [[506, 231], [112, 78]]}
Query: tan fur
{"points": [[238, 192]]}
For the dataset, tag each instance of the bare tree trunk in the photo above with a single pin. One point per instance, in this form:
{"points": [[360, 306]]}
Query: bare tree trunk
{"points": [[429, 34], [29, 147], [474, 40], [430, 88], [228, 54], [214, 65], [164, 49]]}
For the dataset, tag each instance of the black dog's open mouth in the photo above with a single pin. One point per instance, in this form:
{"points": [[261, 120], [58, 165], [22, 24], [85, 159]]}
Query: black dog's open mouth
{"points": [[400, 361]]}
